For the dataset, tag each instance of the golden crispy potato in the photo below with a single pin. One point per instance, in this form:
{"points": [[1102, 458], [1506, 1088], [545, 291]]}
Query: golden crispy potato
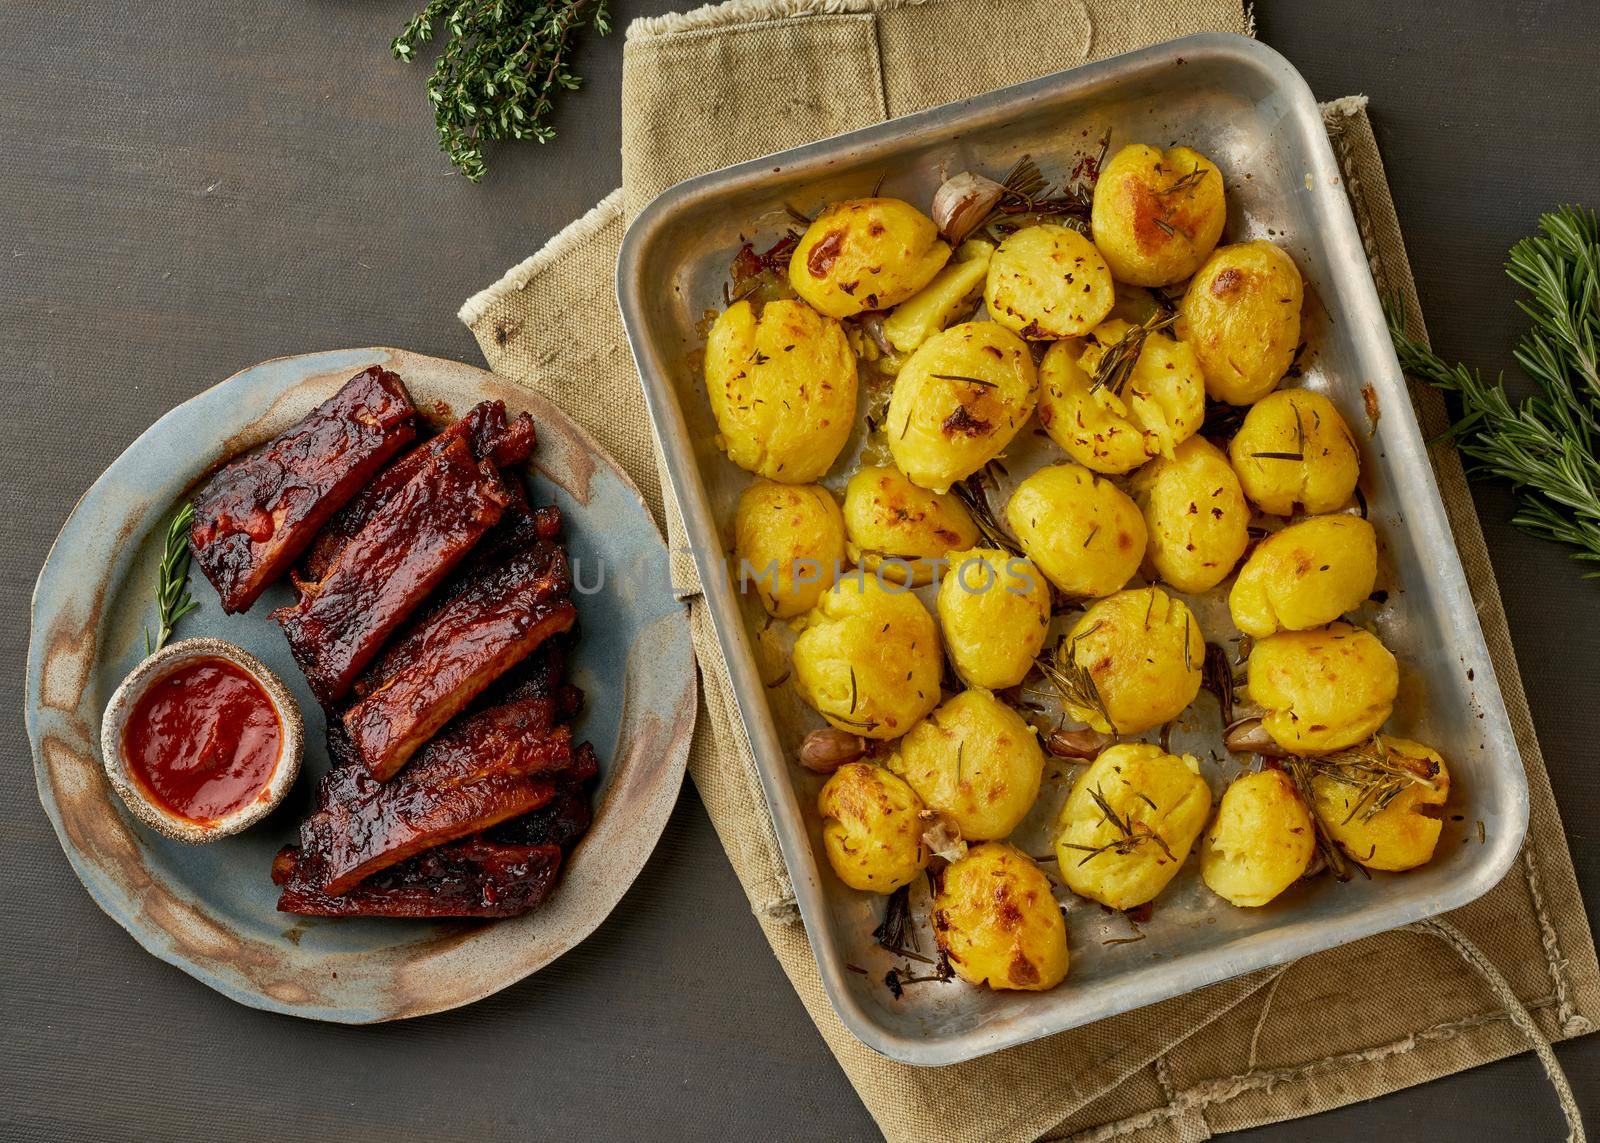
{"points": [[975, 760], [1305, 575], [789, 540], [871, 829], [994, 611], [1294, 453], [1128, 824], [866, 254], [958, 400], [997, 918], [1143, 650], [1402, 835], [1241, 313], [1081, 530], [953, 293], [869, 658], [1157, 216], [1323, 690], [782, 387], [1261, 841], [898, 529], [1047, 282], [1160, 403], [1196, 515]]}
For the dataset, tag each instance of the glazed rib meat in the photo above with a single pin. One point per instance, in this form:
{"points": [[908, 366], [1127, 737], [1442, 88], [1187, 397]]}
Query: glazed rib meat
{"points": [[485, 622], [485, 431], [257, 515], [473, 877], [485, 768], [387, 568]]}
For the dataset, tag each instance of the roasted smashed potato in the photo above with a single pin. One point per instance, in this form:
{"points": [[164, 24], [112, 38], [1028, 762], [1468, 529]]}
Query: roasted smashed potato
{"points": [[953, 293], [958, 400], [1048, 282], [790, 543], [866, 254], [1261, 841], [1116, 428], [782, 386], [869, 658], [1142, 651], [1400, 834], [1196, 515], [871, 828], [1323, 690], [1081, 530], [1157, 216], [976, 761], [1241, 313], [1128, 824], [996, 917], [897, 529], [1294, 453], [1305, 575], [994, 611]]}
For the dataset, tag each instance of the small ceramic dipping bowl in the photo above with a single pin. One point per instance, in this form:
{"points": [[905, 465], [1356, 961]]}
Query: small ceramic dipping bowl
{"points": [[134, 791]]}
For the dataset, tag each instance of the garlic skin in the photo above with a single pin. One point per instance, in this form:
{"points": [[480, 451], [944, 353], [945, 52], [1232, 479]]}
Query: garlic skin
{"points": [[962, 202]]}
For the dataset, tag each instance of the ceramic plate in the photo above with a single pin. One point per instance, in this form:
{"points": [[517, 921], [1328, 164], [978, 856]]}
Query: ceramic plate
{"points": [[211, 910]]}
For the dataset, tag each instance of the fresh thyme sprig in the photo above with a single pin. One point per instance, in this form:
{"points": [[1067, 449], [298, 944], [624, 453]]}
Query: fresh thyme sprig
{"points": [[500, 73], [1544, 445], [173, 601]]}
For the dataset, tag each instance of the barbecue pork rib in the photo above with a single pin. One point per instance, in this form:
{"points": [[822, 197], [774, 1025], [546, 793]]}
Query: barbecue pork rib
{"points": [[486, 767], [485, 431], [387, 568], [483, 624], [255, 517], [473, 877]]}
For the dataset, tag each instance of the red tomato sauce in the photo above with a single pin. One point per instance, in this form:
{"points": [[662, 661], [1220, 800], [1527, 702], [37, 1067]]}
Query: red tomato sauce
{"points": [[203, 740]]}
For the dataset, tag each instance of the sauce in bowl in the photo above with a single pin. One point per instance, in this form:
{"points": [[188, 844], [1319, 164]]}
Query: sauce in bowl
{"points": [[203, 740]]}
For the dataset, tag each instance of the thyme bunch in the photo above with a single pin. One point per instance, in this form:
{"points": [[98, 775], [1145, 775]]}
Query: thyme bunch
{"points": [[1545, 444], [499, 74]]}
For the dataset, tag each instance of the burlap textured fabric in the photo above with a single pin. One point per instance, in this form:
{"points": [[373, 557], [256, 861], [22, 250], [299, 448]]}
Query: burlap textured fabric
{"points": [[723, 84]]}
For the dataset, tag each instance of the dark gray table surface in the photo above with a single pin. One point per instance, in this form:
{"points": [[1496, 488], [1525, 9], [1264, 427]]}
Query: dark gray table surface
{"points": [[186, 189]]}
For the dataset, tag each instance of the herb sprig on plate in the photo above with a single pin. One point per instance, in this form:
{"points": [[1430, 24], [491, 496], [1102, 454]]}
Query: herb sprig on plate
{"points": [[173, 600]]}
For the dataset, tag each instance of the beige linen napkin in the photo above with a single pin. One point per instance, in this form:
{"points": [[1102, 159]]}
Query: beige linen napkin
{"points": [[726, 83]]}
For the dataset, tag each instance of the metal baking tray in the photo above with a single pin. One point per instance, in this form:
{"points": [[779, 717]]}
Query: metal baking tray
{"points": [[1243, 105]]}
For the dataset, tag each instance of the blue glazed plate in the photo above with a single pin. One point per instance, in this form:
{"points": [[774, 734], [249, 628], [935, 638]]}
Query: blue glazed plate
{"points": [[211, 910]]}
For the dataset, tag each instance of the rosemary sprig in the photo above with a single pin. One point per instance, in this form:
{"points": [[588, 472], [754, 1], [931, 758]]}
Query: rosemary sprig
{"points": [[499, 75], [173, 601], [1372, 772], [1026, 191], [971, 493], [1117, 362], [1545, 444], [1073, 681], [1186, 182], [1332, 856], [1127, 840]]}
